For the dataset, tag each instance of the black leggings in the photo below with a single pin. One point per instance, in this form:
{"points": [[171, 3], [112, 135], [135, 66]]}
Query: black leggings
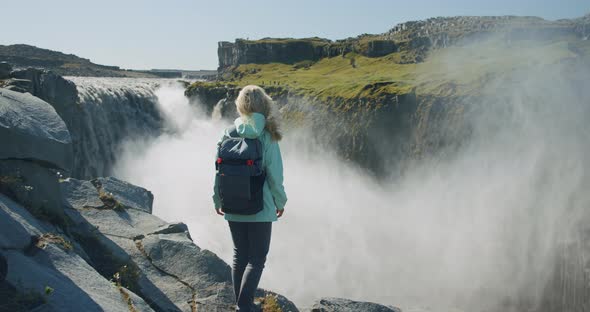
{"points": [[251, 245]]}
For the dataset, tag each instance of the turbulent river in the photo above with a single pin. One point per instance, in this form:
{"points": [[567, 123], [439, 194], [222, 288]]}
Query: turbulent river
{"points": [[480, 230]]}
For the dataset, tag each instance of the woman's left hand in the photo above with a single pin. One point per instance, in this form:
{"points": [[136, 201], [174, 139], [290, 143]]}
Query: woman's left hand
{"points": [[219, 211]]}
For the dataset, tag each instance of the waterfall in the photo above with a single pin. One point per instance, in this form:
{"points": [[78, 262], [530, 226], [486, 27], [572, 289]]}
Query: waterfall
{"points": [[108, 112]]}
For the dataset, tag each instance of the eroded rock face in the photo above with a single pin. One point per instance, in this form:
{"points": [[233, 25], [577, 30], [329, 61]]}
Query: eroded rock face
{"points": [[362, 129], [266, 51], [106, 114], [291, 51], [59, 92], [170, 269], [167, 268], [31, 129], [346, 305], [45, 263]]}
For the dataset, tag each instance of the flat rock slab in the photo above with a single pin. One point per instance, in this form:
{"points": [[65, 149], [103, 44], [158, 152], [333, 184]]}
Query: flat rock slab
{"points": [[177, 254], [124, 223], [173, 274], [118, 234], [127, 194], [346, 305], [160, 289], [75, 285], [207, 274], [39, 257], [31, 129], [80, 194]]}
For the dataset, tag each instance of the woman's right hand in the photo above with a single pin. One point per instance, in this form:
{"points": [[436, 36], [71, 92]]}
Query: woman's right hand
{"points": [[219, 211]]}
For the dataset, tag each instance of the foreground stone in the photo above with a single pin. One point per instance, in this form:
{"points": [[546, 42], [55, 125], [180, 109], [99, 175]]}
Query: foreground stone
{"points": [[346, 305], [44, 264], [169, 269], [31, 129], [164, 266]]}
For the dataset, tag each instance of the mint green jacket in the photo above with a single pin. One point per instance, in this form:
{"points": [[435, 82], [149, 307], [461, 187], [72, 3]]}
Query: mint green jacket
{"points": [[274, 196]]}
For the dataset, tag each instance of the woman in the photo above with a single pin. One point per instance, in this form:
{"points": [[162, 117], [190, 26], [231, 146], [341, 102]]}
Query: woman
{"points": [[251, 232]]}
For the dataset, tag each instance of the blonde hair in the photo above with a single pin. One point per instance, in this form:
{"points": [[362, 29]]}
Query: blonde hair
{"points": [[253, 99]]}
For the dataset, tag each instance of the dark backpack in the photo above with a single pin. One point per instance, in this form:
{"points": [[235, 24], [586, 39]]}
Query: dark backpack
{"points": [[240, 174]]}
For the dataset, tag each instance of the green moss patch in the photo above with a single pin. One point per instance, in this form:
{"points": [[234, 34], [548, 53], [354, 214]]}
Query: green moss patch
{"points": [[50, 238], [457, 70], [269, 303], [109, 201]]}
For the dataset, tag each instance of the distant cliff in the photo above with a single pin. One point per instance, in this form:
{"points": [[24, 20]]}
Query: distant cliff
{"points": [[291, 51], [414, 39], [442, 32]]}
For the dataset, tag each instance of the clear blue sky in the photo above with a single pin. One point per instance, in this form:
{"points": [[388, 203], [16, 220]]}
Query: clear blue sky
{"points": [[144, 34]]}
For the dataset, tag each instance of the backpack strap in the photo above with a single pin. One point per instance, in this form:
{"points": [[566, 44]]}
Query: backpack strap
{"points": [[233, 132]]}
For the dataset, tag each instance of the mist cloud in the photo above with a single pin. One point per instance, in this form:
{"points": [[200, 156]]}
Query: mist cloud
{"points": [[479, 229]]}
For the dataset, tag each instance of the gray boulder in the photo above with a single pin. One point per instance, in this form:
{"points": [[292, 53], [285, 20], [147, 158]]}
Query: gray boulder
{"points": [[89, 214], [43, 262], [346, 305], [5, 70], [173, 272], [31, 129], [206, 273], [200, 267], [113, 239], [72, 283], [170, 272], [128, 195], [80, 194], [164, 291], [54, 89]]}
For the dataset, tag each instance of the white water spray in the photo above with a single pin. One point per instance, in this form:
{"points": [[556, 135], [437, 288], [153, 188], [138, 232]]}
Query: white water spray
{"points": [[476, 231]]}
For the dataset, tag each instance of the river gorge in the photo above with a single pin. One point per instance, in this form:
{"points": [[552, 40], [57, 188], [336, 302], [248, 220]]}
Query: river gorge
{"points": [[475, 226]]}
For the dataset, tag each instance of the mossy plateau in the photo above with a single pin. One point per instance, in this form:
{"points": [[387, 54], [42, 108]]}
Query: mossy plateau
{"points": [[457, 70]]}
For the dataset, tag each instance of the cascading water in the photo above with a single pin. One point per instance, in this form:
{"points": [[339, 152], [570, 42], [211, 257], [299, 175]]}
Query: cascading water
{"points": [[477, 230], [110, 111]]}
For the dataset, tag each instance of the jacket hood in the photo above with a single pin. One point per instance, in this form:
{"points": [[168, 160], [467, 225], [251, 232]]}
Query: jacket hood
{"points": [[250, 127]]}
